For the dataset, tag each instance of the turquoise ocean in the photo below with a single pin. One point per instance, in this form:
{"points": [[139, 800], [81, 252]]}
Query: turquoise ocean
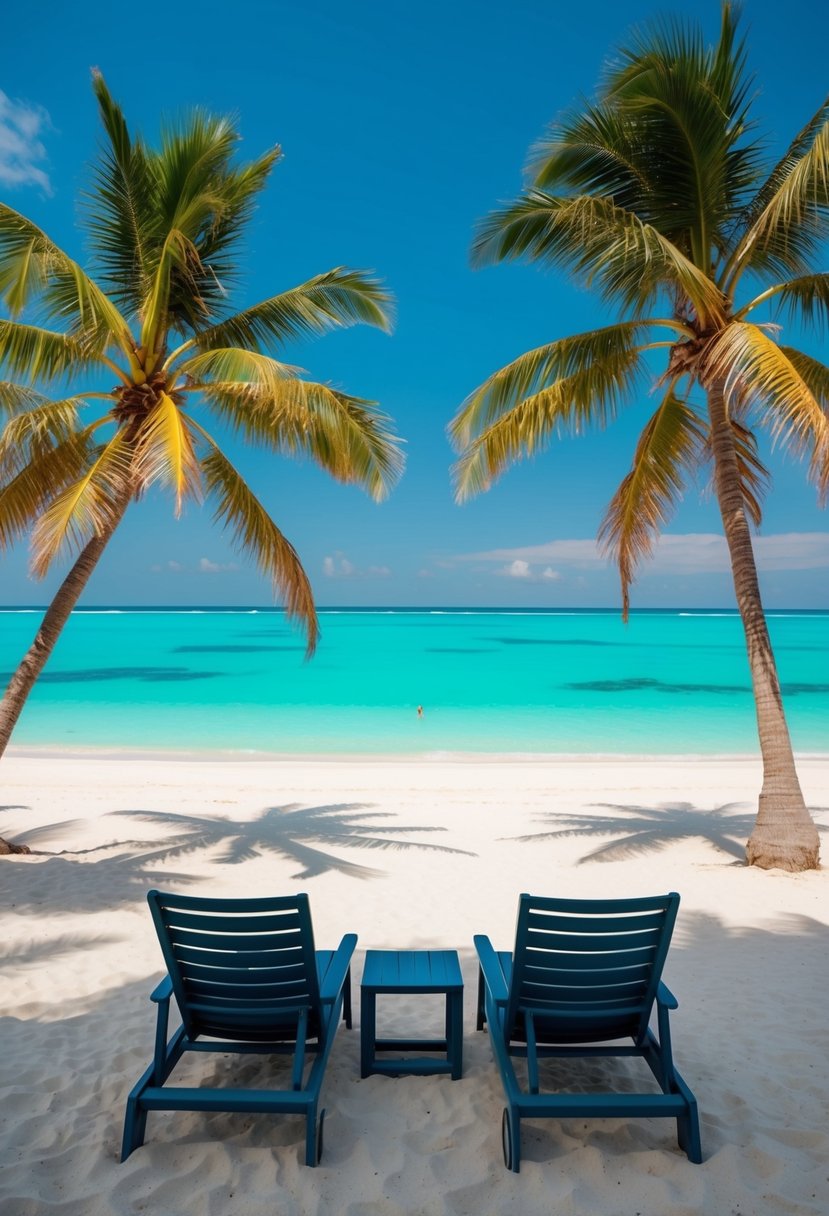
{"points": [[235, 680]]}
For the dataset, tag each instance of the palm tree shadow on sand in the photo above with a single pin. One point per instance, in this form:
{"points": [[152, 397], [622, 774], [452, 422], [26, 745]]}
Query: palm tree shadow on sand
{"points": [[287, 831], [644, 829]]}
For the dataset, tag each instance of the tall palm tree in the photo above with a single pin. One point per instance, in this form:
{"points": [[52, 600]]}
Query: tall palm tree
{"points": [[165, 226], [659, 195]]}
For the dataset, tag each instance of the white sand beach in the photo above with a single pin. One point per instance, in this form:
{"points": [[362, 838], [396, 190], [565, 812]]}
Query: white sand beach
{"points": [[408, 853]]}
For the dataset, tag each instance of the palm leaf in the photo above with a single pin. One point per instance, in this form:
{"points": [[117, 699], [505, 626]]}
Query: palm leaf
{"points": [[28, 436], [541, 367], [806, 297], [33, 267], [753, 475], [669, 445], [233, 364], [759, 377], [255, 533], [26, 494], [85, 508], [120, 209], [591, 394], [788, 220], [348, 437], [630, 261], [41, 354], [15, 398], [329, 301], [813, 373], [164, 452]]}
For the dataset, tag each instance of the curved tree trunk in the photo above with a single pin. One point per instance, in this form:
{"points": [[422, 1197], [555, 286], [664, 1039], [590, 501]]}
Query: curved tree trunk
{"points": [[55, 617], [784, 834]]}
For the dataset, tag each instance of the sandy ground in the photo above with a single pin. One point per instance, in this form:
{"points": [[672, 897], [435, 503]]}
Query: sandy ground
{"points": [[405, 853]]}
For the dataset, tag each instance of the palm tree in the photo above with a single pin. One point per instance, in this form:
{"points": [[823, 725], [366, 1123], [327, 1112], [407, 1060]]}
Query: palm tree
{"points": [[165, 226], [659, 195]]}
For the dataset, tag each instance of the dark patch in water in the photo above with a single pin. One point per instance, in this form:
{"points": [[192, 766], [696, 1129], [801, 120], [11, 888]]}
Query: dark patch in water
{"points": [[641, 683], [550, 642], [457, 650], [792, 689], [91, 675], [230, 649]]}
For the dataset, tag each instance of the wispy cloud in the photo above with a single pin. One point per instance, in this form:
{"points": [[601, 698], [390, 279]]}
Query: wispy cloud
{"points": [[21, 150], [339, 566], [691, 553], [520, 568], [205, 566]]}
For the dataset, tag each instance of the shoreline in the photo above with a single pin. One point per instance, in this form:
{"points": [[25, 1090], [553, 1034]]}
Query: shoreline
{"points": [[240, 756]]}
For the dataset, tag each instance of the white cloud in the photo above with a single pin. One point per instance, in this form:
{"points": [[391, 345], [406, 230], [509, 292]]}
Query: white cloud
{"points": [[21, 151], [520, 568], [339, 566], [206, 566], [691, 553]]}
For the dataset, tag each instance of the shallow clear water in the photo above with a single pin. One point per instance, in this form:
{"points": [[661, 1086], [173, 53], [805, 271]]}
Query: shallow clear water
{"points": [[668, 682]]}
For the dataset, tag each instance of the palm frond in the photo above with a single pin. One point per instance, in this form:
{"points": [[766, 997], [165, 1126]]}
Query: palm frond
{"points": [[539, 368], [813, 373], [760, 379], [235, 365], [28, 436], [589, 395], [334, 300], [120, 208], [806, 298], [668, 447], [788, 221], [33, 268], [255, 534], [24, 497], [347, 436], [164, 452], [41, 354], [630, 261], [15, 398], [85, 508]]}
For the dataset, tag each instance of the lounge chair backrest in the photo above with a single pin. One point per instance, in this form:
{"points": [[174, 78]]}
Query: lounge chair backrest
{"points": [[588, 970], [240, 968]]}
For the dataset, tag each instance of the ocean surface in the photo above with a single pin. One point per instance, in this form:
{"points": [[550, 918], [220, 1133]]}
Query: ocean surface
{"points": [[488, 681]]}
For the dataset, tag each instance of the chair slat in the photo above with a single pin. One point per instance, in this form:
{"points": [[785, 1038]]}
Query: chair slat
{"points": [[241, 944], [552, 922], [280, 922], [243, 976], [561, 992], [294, 992], [545, 961], [207, 957], [581, 943]]}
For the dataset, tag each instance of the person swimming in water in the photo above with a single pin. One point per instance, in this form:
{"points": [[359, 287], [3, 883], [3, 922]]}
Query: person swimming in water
{"points": [[420, 711]]}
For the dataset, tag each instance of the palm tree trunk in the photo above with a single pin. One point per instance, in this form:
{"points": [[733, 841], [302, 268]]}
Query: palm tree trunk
{"points": [[784, 834], [55, 617]]}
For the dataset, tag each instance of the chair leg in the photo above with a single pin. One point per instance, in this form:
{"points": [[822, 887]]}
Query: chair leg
{"points": [[135, 1126], [687, 1133], [480, 1018], [313, 1136]]}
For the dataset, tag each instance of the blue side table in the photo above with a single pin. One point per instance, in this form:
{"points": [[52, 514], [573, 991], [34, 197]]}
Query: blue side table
{"points": [[411, 971]]}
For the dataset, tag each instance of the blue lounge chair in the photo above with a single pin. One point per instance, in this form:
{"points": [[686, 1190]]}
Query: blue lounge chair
{"points": [[246, 978], [584, 972]]}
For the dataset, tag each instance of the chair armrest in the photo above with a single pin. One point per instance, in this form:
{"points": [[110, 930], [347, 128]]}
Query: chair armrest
{"points": [[164, 990], [334, 977], [665, 997], [492, 970]]}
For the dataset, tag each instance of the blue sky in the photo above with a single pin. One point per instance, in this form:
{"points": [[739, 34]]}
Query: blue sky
{"points": [[401, 124]]}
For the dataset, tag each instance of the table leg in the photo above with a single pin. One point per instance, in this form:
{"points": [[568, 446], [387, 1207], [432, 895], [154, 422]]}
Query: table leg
{"points": [[368, 1031], [454, 1032]]}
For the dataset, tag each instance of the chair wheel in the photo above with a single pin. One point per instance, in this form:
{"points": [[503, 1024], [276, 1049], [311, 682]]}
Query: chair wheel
{"points": [[320, 1125], [506, 1138]]}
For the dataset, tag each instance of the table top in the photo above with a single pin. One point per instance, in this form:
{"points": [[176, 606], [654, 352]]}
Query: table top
{"points": [[412, 971]]}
